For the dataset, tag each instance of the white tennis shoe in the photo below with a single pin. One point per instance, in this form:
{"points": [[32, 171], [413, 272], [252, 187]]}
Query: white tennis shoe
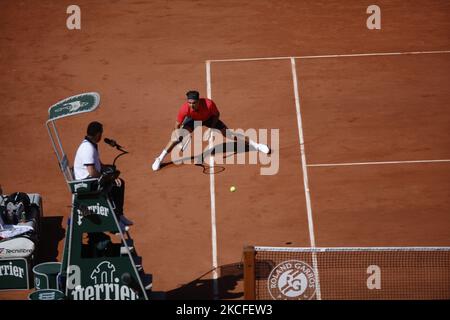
{"points": [[157, 164], [263, 148]]}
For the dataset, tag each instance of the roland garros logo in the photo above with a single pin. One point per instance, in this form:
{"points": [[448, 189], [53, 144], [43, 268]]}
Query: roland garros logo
{"points": [[292, 280]]}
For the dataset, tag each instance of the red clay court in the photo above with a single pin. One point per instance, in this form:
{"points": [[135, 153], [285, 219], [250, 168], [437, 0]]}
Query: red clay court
{"points": [[363, 119]]}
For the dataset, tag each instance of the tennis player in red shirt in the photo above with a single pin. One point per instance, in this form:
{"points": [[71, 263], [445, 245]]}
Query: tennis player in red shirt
{"points": [[204, 110]]}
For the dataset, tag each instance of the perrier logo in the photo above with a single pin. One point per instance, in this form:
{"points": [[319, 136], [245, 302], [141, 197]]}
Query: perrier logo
{"points": [[106, 286], [13, 274], [84, 211], [11, 270]]}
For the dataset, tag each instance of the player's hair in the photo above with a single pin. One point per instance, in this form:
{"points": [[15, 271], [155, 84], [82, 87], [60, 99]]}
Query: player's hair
{"points": [[94, 128], [192, 94]]}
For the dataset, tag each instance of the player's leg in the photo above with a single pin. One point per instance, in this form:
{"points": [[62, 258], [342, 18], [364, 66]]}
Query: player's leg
{"points": [[175, 139], [249, 142], [227, 133]]}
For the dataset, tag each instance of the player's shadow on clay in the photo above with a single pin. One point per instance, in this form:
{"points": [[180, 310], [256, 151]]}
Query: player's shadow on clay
{"points": [[226, 149], [203, 289]]}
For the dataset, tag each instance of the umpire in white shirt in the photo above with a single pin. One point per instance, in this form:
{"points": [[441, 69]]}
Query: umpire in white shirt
{"points": [[87, 164]]}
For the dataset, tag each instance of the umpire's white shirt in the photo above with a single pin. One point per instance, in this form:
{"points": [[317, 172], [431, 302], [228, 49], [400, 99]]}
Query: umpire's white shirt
{"points": [[87, 154]]}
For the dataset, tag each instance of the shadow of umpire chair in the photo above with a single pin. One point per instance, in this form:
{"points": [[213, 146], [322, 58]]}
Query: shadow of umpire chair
{"points": [[100, 261]]}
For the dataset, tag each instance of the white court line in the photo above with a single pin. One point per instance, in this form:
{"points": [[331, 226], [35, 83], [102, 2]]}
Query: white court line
{"points": [[213, 196], [334, 56], [376, 54], [305, 177], [374, 163], [250, 59]]}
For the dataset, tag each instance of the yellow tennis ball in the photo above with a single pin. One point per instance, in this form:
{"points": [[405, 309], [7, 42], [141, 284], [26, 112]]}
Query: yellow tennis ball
{"points": [[232, 189]]}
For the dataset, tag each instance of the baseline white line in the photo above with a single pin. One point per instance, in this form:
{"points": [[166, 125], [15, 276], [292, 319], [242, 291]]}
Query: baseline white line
{"points": [[374, 163], [213, 197], [373, 54], [334, 56], [305, 177], [250, 59]]}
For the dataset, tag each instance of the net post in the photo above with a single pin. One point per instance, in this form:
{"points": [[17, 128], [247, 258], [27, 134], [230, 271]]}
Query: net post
{"points": [[249, 273]]}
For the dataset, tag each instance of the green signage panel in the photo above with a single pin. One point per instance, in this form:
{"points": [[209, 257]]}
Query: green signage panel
{"points": [[103, 279], [13, 274], [80, 103], [93, 214]]}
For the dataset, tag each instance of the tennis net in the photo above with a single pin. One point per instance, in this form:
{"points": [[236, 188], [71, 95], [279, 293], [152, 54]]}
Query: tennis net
{"points": [[347, 273]]}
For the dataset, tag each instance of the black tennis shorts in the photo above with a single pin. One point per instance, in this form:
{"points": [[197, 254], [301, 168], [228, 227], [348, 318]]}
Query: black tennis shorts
{"points": [[219, 125]]}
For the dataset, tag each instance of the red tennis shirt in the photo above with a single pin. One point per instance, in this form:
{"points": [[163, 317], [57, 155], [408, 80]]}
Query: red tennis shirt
{"points": [[206, 109]]}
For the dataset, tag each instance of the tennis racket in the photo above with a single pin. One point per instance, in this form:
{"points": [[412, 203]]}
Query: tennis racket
{"points": [[184, 143]]}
